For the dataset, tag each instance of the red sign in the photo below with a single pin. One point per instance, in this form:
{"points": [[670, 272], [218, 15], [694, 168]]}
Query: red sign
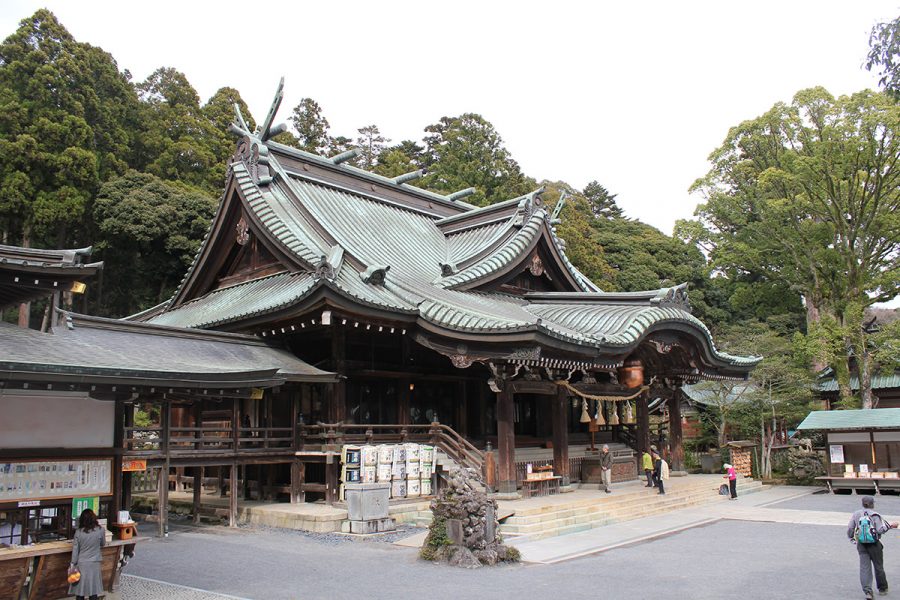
{"points": [[134, 465]]}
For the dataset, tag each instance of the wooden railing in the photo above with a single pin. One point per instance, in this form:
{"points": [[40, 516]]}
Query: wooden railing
{"points": [[333, 435], [192, 441]]}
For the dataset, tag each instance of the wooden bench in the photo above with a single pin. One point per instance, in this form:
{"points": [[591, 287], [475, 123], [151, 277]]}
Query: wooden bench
{"points": [[546, 486]]}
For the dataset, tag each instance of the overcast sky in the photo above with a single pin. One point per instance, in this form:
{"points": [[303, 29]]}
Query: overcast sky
{"points": [[633, 94]]}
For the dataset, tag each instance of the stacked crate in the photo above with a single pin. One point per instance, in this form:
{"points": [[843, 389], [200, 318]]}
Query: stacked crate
{"points": [[350, 467], [426, 468]]}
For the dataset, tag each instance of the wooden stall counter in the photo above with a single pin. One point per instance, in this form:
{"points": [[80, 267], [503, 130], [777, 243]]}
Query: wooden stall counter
{"points": [[48, 565]]}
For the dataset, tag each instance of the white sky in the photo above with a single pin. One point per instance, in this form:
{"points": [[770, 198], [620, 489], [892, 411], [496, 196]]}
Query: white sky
{"points": [[633, 94]]}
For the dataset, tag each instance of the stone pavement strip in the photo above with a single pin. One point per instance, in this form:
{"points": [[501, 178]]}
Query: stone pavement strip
{"points": [[140, 588], [753, 507]]}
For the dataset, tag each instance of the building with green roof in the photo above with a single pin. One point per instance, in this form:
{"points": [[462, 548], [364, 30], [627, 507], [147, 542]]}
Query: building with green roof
{"points": [[433, 309]]}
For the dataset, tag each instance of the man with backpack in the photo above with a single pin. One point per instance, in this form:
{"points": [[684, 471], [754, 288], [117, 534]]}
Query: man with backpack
{"points": [[865, 528]]}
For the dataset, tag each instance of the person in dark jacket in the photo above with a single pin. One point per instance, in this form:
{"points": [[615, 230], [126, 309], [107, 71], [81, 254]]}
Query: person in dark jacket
{"points": [[658, 471], [606, 468], [89, 538], [870, 554]]}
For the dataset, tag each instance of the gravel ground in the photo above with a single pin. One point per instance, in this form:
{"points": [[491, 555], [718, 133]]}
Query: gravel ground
{"points": [[889, 505], [728, 559]]}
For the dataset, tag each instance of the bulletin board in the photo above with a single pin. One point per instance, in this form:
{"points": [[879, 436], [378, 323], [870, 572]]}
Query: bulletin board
{"points": [[54, 479]]}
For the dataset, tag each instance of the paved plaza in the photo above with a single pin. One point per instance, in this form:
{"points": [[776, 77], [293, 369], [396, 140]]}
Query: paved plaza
{"points": [[781, 542]]}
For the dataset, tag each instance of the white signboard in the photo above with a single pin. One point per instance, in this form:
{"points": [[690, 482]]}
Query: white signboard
{"points": [[49, 479], [837, 453]]}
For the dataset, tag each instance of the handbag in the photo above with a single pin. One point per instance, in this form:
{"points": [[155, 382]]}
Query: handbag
{"points": [[74, 575]]}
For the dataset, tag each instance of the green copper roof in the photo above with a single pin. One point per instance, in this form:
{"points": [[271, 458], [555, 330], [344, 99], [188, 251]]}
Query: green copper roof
{"points": [[873, 418], [402, 255], [248, 299], [879, 382]]}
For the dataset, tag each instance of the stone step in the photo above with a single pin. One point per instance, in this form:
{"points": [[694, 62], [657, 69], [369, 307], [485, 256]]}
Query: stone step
{"points": [[600, 514], [605, 516], [626, 497]]}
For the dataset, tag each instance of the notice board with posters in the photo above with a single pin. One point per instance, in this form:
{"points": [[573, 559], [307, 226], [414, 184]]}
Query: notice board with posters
{"points": [[55, 479]]}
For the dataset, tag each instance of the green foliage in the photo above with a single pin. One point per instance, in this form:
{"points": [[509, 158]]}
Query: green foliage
{"points": [[466, 151], [403, 158], [884, 55], [371, 144], [219, 113], [178, 142], [576, 230], [436, 538], [66, 118], [150, 231], [806, 196], [311, 126], [603, 204]]}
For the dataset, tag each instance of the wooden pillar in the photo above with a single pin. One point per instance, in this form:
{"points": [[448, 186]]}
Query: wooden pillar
{"points": [[198, 488], [676, 449], [24, 314], [127, 477], [643, 422], [331, 479], [506, 442], [298, 474], [233, 494], [337, 409], [165, 417], [872, 442], [462, 400], [404, 395], [118, 443], [559, 417]]}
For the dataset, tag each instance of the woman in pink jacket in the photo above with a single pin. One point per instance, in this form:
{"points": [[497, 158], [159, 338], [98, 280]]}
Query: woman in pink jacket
{"points": [[731, 476]]}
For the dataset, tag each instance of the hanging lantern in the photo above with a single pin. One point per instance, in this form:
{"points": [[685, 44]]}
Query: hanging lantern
{"points": [[600, 420], [629, 415], [585, 417], [614, 414], [631, 374]]}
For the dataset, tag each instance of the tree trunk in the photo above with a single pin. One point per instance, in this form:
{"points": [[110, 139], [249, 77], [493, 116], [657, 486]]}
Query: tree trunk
{"points": [[813, 316], [864, 367]]}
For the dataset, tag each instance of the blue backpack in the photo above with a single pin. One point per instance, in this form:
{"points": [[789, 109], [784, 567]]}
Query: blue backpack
{"points": [[865, 530]]}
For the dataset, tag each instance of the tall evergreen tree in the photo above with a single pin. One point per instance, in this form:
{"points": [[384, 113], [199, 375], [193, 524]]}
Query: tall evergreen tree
{"points": [[466, 151], [370, 143], [178, 142], [603, 204], [311, 126], [67, 118]]}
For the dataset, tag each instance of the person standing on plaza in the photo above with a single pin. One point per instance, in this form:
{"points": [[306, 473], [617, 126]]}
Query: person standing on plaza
{"points": [[731, 476], [865, 530], [606, 468], [89, 538], [660, 471], [647, 465]]}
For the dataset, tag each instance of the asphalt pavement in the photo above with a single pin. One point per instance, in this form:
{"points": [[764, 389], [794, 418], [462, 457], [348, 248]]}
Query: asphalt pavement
{"points": [[724, 559]]}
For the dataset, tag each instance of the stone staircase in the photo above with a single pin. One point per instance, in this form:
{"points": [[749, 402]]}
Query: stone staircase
{"points": [[534, 520]]}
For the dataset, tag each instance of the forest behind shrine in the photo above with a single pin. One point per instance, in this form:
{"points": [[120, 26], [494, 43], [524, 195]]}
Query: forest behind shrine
{"points": [[796, 236]]}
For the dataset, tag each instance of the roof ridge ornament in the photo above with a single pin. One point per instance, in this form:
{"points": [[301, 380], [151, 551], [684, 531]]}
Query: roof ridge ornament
{"points": [[329, 266], [375, 274], [529, 205], [675, 297], [411, 176], [266, 131], [345, 156], [459, 195], [564, 195]]}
